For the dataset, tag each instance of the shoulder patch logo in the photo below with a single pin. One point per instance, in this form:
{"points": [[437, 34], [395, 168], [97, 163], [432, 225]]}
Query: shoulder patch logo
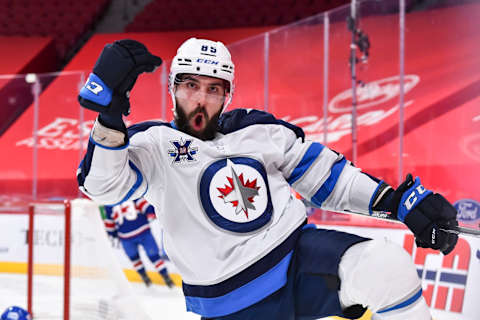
{"points": [[183, 151]]}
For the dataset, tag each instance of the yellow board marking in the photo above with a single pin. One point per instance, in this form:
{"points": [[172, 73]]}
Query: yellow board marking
{"points": [[81, 272]]}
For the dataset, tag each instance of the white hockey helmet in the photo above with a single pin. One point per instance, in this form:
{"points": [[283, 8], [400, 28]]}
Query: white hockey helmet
{"points": [[206, 58]]}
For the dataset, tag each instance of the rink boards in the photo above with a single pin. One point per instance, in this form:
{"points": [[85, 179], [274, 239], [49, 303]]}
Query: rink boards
{"points": [[450, 283]]}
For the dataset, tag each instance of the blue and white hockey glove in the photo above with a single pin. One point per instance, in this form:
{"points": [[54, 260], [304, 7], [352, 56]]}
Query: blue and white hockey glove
{"points": [[425, 213], [108, 87]]}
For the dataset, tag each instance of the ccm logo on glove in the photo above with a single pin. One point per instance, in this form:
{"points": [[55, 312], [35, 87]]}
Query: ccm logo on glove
{"points": [[412, 198], [94, 87], [96, 91], [428, 215]]}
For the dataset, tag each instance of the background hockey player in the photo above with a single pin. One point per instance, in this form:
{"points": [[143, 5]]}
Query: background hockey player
{"points": [[232, 227], [129, 221]]}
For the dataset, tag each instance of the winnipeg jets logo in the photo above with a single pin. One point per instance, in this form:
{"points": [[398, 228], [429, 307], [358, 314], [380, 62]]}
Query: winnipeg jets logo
{"points": [[183, 151], [234, 194], [239, 193]]}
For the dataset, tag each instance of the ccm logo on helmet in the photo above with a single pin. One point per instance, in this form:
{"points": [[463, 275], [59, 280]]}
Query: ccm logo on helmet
{"points": [[207, 61]]}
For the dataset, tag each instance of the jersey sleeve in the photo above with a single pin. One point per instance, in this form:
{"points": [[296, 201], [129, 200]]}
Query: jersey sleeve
{"points": [[109, 221], [150, 212], [145, 208], [112, 175], [323, 176]]}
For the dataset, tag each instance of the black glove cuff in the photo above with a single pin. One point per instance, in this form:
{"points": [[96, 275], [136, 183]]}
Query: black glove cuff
{"points": [[91, 105], [382, 200], [396, 196], [112, 121]]}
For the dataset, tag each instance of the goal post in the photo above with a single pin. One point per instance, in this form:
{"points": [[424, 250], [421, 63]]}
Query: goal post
{"points": [[93, 283], [60, 207]]}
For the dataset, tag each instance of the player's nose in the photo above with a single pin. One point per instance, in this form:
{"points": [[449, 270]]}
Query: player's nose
{"points": [[201, 97]]}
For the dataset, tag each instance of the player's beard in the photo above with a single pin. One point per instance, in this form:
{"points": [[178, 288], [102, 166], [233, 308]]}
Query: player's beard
{"points": [[182, 122]]}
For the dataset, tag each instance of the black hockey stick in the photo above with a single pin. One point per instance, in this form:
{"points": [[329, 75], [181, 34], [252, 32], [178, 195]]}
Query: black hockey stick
{"points": [[385, 216]]}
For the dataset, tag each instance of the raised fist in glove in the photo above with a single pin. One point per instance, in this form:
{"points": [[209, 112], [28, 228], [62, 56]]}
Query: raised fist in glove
{"points": [[425, 213], [108, 87]]}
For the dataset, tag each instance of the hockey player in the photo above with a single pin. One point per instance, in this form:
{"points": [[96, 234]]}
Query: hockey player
{"points": [[129, 221], [15, 313], [232, 226]]}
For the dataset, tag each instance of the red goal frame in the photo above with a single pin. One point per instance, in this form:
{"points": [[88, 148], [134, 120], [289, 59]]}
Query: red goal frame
{"points": [[67, 255]]}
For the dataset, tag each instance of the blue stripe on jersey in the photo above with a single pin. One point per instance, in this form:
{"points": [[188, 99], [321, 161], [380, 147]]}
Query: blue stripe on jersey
{"points": [[85, 164], [308, 158], [327, 187], [249, 274], [135, 186], [407, 302], [241, 118], [245, 296], [132, 130], [143, 126]]}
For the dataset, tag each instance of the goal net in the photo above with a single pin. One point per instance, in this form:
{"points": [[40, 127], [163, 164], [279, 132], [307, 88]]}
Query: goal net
{"points": [[83, 280]]}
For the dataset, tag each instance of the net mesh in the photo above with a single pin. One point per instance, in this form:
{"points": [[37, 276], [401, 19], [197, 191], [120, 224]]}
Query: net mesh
{"points": [[98, 286]]}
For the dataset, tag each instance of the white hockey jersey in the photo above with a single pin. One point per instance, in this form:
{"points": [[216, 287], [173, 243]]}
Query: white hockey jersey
{"points": [[229, 216]]}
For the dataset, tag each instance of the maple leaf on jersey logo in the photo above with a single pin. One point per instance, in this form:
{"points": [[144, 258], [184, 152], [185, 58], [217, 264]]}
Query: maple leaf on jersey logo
{"points": [[239, 193]]}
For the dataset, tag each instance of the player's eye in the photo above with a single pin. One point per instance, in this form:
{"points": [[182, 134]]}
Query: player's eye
{"points": [[191, 85], [213, 89]]}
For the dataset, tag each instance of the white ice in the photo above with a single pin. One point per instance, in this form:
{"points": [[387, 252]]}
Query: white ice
{"points": [[159, 302]]}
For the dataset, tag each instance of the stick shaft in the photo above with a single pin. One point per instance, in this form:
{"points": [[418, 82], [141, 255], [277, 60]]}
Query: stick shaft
{"points": [[387, 217]]}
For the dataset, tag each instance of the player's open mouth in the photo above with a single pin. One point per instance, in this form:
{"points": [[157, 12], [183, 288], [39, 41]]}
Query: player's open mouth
{"points": [[197, 122]]}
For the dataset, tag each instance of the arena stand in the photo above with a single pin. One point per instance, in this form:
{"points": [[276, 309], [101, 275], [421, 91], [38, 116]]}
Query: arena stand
{"points": [[66, 21], [37, 37], [161, 15]]}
